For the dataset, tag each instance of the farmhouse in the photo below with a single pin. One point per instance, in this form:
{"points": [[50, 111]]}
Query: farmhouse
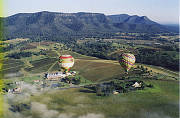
{"points": [[15, 90], [157, 43], [137, 85], [55, 76], [58, 75], [19, 83], [115, 92], [36, 81]]}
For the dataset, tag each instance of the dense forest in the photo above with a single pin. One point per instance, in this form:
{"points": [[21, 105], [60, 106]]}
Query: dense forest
{"points": [[160, 55]]}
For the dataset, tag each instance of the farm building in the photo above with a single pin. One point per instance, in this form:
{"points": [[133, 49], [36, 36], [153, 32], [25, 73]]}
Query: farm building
{"points": [[73, 72], [19, 83], [15, 90], [36, 81], [137, 85], [58, 75], [55, 76]]}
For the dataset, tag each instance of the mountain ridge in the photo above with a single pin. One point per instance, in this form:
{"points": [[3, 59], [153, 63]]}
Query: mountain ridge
{"points": [[57, 23]]}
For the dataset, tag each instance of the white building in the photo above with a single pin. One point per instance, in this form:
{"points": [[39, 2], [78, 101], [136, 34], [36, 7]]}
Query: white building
{"points": [[136, 85], [54, 76], [58, 75]]}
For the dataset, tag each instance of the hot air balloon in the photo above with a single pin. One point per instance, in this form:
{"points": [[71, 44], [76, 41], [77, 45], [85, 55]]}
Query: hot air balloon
{"points": [[127, 60], [67, 61]]}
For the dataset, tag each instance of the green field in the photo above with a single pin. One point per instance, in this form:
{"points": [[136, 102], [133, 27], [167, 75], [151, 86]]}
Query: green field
{"points": [[41, 65], [12, 66], [161, 101], [97, 71]]}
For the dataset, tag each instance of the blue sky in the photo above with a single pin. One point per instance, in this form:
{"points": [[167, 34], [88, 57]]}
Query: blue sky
{"points": [[162, 11]]}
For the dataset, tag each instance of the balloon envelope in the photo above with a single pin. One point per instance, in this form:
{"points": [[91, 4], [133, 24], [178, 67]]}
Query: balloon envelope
{"points": [[67, 61], [127, 60]]}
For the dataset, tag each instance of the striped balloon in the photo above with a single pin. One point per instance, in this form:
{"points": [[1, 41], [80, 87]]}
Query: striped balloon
{"points": [[67, 61], [127, 60]]}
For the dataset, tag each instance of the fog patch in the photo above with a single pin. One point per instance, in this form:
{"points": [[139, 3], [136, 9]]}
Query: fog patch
{"points": [[35, 109], [154, 115], [28, 88], [14, 115], [63, 115], [26, 91], [42, 110], [92, 115]]}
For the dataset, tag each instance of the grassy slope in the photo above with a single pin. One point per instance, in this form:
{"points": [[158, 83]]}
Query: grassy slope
{"points": [[162, 100]]}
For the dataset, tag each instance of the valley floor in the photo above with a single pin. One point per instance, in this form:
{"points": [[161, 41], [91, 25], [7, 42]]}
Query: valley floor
{"points": [[161, 101]]}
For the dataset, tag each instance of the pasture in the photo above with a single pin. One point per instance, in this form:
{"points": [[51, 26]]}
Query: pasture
{"points": [[159, 102]]}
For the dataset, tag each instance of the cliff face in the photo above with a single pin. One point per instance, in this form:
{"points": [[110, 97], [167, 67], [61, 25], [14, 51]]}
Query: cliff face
{"points": [[53, 23]]}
